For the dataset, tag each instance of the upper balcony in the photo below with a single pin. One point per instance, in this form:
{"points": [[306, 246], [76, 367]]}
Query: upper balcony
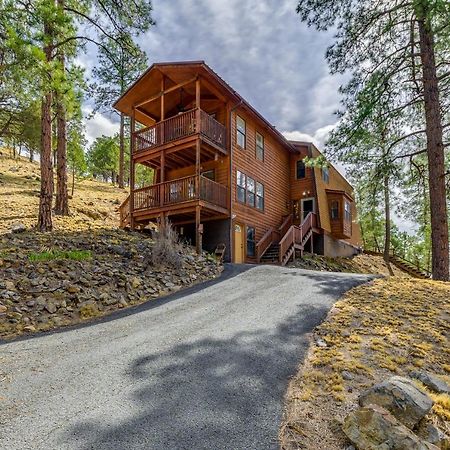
{"points": [[180, 128]]}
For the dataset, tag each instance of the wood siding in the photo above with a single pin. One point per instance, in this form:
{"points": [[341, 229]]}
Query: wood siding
{"points": [[273, 173]]}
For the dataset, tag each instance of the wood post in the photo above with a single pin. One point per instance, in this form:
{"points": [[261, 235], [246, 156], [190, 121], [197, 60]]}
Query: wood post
{"points": [[162, 178], [198, 230], [162, 97], [132, 174]]}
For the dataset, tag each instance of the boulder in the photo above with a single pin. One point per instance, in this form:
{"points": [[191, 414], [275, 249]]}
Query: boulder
{"points": [[401, 397], [428, 432], [18, 228], [374, 428], [431, 381]]}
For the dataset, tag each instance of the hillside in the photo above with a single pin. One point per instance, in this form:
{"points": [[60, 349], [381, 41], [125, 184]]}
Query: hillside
{"points": [[94, 204]]}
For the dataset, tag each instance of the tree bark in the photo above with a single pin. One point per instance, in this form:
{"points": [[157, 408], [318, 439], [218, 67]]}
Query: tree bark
{"points": [[46, 194], [387, 219], [435, 154], [73, 179], [121, 151], [62, 194]]}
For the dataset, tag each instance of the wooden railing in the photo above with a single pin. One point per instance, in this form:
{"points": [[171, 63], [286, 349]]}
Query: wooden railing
{"points": [[296, 236], [124, 211], [270, 237], [179, 127], [213, 192], [179, 191]]}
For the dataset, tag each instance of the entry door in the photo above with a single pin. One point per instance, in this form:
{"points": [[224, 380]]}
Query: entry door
{"points": [[238, 243], [307, 207]]}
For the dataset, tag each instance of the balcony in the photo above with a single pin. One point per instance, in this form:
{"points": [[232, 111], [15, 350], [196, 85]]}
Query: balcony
{"points": [[195, 122], [182, 193]]}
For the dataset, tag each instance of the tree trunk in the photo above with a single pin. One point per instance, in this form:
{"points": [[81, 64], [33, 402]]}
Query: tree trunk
{"points": [[435, 153], [46, 195], [31, 155], [73, 180], [62, 195], [387, 219], [121, 151]]}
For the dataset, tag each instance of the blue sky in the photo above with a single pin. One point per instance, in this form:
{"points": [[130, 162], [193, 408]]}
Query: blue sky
{"points": [[260, 47]]}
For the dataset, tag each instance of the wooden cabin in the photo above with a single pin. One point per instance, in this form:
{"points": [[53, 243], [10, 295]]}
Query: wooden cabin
{"points": [[224, 175]]}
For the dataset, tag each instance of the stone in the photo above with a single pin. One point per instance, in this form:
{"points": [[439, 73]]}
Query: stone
{"points": [[18, 228], [3, 309], [29, 328], [72, 289], [321, 343], [10, 285], [135, 282], [431, 381], [428, 432], [401, 397], [374, 428], [347, 375], [123, 303], [51, 307]]}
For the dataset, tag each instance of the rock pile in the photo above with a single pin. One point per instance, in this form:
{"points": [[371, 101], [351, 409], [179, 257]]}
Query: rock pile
{"points": [[114, 269], [392, 416]]}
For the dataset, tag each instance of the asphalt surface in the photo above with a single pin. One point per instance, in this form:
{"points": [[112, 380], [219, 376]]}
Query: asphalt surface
{"points": [[207, 369]]}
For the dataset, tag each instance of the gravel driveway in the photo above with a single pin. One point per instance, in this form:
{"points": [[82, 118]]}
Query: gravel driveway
{"points": [[205, 369]]}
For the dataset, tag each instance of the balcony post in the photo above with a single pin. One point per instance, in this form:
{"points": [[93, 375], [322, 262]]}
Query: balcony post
{"points": [[198, 231], [162, 178], [132, 182]]}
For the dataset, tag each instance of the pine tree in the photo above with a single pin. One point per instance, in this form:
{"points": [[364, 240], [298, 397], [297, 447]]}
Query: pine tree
{"points": [[407, 43]]}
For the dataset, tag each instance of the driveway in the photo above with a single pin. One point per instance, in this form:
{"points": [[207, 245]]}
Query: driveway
{"points": [[206, 369]]}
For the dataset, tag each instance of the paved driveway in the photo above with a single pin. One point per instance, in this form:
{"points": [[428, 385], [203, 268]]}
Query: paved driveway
{"points": [[206, 369]]}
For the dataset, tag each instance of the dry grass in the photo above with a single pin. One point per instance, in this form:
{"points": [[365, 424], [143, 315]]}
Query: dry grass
{"points": [[93, 206], [166, 249], [389, 326]]}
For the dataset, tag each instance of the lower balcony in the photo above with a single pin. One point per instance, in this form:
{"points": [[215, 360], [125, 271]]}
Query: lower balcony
{"points": [[177, 197]]}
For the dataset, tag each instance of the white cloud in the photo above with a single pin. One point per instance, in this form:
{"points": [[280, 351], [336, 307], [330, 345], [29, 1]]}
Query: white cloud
{"points": [[98, 125], [318, 138]]}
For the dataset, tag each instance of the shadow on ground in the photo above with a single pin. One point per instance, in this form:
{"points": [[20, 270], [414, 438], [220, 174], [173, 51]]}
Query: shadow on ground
{"points": [[212, 393]]}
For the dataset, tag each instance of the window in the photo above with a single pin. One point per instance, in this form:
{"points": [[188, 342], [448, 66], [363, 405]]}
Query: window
{"points": [[259, 196], [240, 131], [250, 191], [209, 174], [347, 211], [334, 210], [301, 169], [241, 186], [325, 174], [250, 241], [259, 147]]}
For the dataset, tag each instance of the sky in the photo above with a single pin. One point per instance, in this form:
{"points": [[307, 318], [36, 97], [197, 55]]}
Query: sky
{"points": [[260, 47]]}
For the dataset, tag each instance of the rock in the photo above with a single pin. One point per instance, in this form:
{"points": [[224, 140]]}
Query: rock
{"points": [[321, 343], [431, 381], [3, 309], [135, 282], [51, 307], [29, 328], [18, 228], [123, 303], [374, 428], [428, 432], [10, 285], [401, 397], [72, 289], [347, 375]]}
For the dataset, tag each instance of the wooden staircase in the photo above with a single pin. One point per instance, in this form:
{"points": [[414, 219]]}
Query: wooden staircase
{"points": [[279, 246]]}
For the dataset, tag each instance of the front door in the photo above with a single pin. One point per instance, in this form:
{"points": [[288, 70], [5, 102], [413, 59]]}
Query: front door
{"points": [[238, 243], [307, 207]]}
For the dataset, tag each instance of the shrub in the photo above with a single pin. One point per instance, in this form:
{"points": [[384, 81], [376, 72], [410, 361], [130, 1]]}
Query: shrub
{"points": [[166, 249]]}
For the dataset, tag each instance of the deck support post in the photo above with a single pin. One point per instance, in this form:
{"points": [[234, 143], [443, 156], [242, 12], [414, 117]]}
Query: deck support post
{"points": [[198, 231], [132, 169], [162, 176]]}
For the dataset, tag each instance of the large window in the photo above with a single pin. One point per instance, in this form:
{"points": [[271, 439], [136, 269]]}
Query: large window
{"points": [[249, 191], [240, 131], [325, 174], [301, 170], [334, 210], [260, 196], [347, 211], [241, 186], [250, 241], [259, 147]]}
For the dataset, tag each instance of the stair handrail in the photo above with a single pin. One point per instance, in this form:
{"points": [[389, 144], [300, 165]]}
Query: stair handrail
{"points": [[264, 243], [286, 242], [287, 223]]}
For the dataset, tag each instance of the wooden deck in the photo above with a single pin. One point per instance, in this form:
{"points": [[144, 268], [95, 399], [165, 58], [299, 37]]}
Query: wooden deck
{"points": [[176, 196], [179, 128]]}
